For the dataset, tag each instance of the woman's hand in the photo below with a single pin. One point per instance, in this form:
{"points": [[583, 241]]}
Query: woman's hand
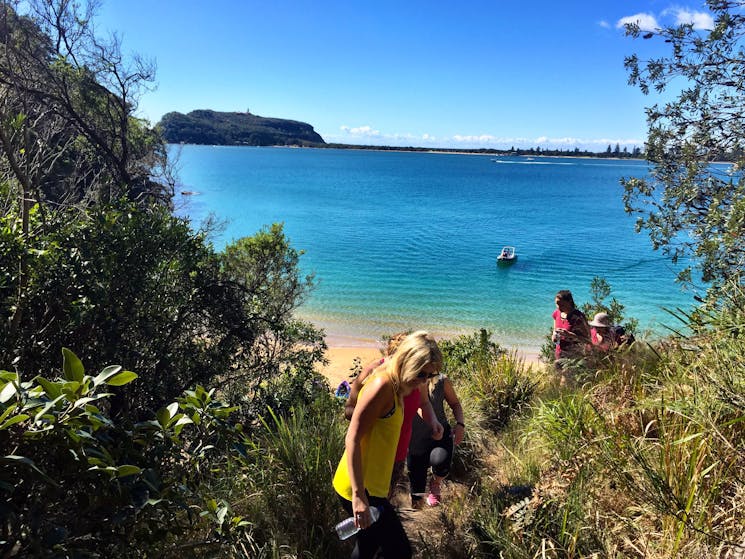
{"points": [[361, 511], [437, 430], [458, 433]]}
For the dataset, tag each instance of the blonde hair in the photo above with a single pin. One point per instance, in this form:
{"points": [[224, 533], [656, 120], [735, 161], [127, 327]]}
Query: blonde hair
{"points": [[394, 341], [416, 351]]}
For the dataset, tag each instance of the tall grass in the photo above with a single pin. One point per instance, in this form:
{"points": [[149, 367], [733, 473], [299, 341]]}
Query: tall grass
{"points": [[644, 459], [287, 481], [499, 385]]}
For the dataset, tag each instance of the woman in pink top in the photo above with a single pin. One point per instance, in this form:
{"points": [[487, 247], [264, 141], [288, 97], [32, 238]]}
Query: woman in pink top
{"points": [[571, 330], [571, 334]]}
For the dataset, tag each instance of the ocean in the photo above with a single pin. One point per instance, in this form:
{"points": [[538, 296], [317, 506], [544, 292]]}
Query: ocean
{"points": [[409, 240]]}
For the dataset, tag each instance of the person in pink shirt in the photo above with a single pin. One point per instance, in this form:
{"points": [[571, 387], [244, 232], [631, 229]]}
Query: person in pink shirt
{"points": [[571, 332]]}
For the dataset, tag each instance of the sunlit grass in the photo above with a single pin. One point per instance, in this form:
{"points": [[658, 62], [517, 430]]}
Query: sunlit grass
{"points": [[643, 459]]}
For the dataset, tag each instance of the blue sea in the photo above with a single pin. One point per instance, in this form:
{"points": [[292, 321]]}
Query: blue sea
{"points": [[408, 240]]}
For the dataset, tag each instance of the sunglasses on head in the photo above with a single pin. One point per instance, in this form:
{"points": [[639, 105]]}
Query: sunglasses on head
{"points": [[427, 376]]}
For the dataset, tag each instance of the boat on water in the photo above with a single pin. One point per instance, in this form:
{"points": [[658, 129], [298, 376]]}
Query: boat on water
{"points": [[507, 255]]}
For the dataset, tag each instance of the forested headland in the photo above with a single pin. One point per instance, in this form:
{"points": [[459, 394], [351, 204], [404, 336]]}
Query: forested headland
{"points": [[159, 398], [236, 129]]}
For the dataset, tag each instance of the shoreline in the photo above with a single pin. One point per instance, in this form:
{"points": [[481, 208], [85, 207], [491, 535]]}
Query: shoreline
{"points": [[344, 349]]}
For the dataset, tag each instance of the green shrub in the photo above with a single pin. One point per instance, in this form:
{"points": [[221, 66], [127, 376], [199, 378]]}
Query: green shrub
{"points": [[501, 386], [124, 284], [76, 482], [468, 349]]}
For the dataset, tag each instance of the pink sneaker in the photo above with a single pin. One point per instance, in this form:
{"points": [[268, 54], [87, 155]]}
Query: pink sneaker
{"points": [[433, 500]]}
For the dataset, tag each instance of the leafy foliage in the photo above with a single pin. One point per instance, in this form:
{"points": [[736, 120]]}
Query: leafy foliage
{"points": [[494, 380], [77, 482], [692, 207], [600, 290], [291, 461], [68, 132], [466, 349], [139, 287]]}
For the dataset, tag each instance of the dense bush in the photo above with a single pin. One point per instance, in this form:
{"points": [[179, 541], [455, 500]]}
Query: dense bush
{"points": [[76, 481], [134, 286], [466, 349]]}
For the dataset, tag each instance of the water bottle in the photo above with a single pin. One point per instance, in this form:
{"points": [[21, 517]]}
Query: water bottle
{"points": [[347, 529]]}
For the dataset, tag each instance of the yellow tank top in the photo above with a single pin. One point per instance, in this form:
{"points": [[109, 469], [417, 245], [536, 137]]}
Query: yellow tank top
{"points": [[378, 453]]}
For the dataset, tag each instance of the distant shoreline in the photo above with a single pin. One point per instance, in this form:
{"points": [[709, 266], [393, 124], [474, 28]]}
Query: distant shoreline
{"points": [[529, 152]]}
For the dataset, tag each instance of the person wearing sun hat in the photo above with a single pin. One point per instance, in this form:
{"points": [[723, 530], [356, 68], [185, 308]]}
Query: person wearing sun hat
{"points": [[602, 333]]}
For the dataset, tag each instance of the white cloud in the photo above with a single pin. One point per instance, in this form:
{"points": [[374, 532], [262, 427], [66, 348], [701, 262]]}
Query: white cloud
{"points": [[646, 22], [481, 139], [371, 136], [603, 23], [682, 16], [361, 131], [700, 20]]}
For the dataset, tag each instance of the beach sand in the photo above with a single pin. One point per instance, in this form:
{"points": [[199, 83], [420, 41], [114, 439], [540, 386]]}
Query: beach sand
{"points": [[343, 351]]}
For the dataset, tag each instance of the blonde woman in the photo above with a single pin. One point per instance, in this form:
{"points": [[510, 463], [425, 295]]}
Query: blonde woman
{"points": [[412, 403], [363, 475]]}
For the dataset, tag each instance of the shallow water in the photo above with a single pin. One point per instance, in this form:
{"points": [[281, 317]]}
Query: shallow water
{"points": [[402, 240]]}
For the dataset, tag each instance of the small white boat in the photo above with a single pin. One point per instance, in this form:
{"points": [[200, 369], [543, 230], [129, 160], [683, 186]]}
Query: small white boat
{"points": [[507, 254]]}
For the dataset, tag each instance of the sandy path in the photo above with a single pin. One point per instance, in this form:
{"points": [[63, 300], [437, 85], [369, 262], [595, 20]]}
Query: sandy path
{"points": [[341, 361]]}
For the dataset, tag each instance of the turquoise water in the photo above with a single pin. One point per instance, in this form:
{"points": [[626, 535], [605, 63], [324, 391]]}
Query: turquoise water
{"points": [[401, 240]]}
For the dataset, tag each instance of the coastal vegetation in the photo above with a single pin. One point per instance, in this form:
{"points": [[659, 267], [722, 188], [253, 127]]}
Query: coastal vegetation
{"points": [[691, 208], [158, 398]]}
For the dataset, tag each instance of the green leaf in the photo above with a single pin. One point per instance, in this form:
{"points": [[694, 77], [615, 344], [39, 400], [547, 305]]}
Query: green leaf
{"points": [[173, 409], [52, 389], [71, 389], [14, 420], [48, 406], [106, 374], [183, 420], [27, 462], [164, 416], [150, 425], [127, 470], [8, 391], [688, 438], [122, 378], [72, 367], [8, 411], [83, 401], [222, 512]]}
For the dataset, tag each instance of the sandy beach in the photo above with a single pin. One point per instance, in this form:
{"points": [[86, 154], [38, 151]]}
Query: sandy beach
{"points": [[344, 350]]}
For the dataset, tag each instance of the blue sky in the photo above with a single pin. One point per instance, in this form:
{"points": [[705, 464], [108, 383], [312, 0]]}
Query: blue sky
{"points": [[406, 72]]}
